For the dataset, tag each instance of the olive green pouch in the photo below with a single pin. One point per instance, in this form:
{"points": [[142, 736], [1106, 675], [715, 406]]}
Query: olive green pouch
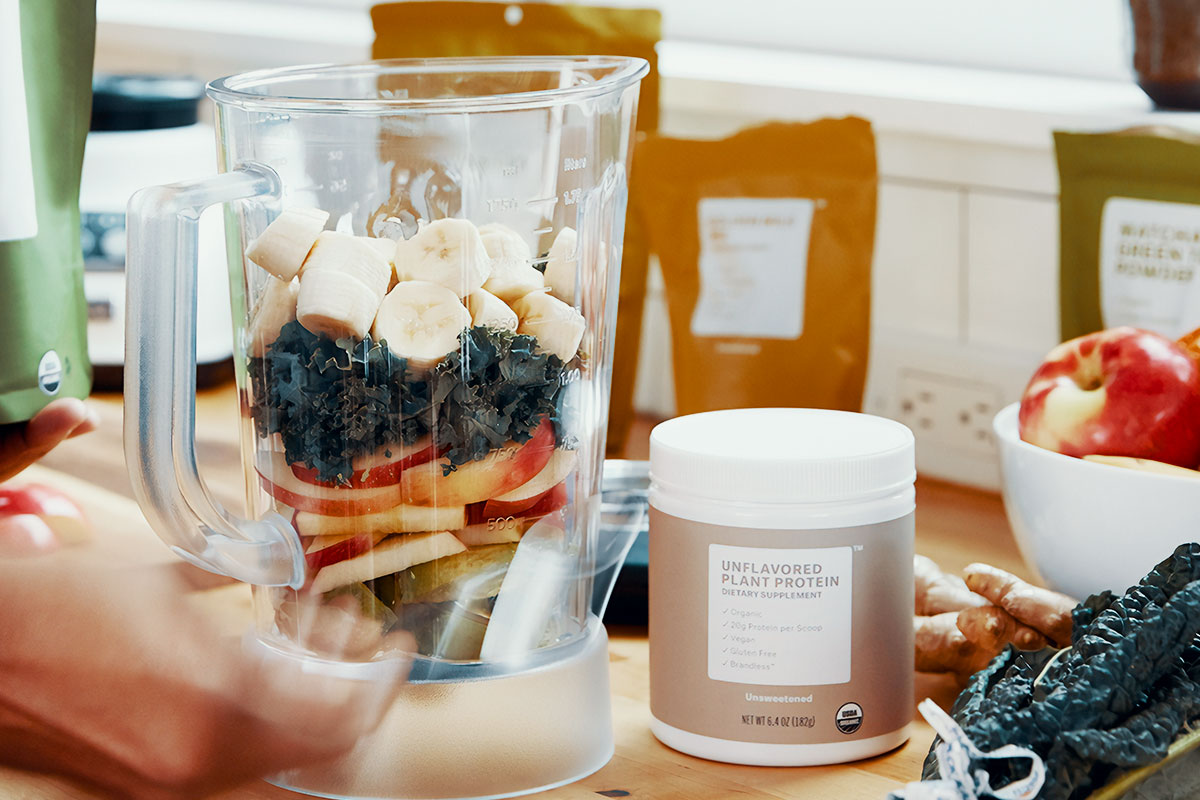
{"points": [[1129, 230]]}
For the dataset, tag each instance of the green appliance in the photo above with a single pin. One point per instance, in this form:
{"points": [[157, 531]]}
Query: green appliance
{"points": [[46, 49]]}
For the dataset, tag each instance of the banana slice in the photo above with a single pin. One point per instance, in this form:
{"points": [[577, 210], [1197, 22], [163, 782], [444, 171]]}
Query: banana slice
{"points": [[501, 241], [275, 308], [335, 304], [282, 247], [563, 265], [386, 248], [349, 256], [447, 252], [489, 311], [557, 326], [421, 322], [513, 275]]}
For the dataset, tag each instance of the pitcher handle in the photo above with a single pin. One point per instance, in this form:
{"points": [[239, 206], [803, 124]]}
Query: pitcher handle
{"points": [[160, 387]]}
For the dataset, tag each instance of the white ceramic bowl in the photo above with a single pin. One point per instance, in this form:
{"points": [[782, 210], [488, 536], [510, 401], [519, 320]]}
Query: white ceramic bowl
{"points": [[1086, 527]]}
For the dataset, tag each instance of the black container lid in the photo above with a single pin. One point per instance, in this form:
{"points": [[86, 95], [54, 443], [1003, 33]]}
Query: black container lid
{"points": [[144, 102]]}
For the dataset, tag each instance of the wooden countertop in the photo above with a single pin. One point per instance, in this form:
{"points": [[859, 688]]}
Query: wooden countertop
{"points": [[955, 526]]}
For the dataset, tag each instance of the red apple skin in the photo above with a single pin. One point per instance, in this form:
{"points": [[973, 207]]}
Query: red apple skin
{"points": [[353, 503], [385, 473], [498, 472], [350, 548], [550, 500], [1118, 392]]}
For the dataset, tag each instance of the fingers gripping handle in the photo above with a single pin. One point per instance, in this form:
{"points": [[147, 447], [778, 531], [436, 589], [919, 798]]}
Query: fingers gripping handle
{"points": [[160, 387]]}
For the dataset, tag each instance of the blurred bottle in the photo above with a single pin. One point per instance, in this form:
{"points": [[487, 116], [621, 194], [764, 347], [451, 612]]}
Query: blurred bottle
{"points": [[1166, 51], [46, 51]]}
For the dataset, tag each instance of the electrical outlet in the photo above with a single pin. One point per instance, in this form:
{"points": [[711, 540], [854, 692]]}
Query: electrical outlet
{"points": [[949, 411]]}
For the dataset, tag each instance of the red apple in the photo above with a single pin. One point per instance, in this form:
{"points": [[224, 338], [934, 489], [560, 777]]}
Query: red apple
{"points": [[58, 511], [281, 483], [1119, 392], [381, 468], [498, 472]]}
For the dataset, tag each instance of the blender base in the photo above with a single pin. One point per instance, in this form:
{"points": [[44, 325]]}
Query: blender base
{"points": [[481, 738]]}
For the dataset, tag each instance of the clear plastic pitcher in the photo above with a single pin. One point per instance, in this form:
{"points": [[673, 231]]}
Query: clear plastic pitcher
{"points": [[424, 260]]}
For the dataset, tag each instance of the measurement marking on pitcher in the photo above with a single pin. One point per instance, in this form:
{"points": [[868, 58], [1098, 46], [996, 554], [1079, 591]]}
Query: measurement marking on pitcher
{"points": [[551, 200], [547, 229], [502, 204]]}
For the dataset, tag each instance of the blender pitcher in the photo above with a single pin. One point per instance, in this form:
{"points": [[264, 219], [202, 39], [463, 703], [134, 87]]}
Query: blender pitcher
{"points": [[424, 260]]}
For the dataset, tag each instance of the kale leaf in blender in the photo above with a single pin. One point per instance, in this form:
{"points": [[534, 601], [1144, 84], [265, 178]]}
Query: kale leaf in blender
{"points": [[331, 401]]}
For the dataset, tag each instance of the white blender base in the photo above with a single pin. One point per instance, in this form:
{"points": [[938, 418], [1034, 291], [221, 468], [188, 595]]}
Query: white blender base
{"points": [[481, 738], [759, 754]]}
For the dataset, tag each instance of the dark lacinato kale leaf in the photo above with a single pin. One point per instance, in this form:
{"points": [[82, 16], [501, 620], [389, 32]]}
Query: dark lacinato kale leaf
{"points": [[331, 401], [1115, 701], [494, 389]]}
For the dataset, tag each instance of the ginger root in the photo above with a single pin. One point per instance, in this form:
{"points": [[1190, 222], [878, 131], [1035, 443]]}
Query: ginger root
{"points": [[938, 592], [941, 647], [961, 625], [991, 628], [1041, 609]]}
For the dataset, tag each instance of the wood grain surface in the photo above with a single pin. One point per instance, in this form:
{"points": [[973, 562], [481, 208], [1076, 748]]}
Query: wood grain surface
{"points": [[954, 527]]}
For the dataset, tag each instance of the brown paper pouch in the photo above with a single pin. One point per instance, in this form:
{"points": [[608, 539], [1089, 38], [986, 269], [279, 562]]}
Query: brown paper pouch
{"points": [[1129, 230], [765, 241], [444, 29]]}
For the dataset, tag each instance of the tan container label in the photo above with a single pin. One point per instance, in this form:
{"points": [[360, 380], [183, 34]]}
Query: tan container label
{"points": [[780, 636]]}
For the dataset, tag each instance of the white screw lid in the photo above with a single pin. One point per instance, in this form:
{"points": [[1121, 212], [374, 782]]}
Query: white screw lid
{"points": [[782, 455]]}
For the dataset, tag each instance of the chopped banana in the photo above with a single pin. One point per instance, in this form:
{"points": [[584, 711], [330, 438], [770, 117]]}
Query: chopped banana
{"points": [[489, 311], [421, 322], [283, 246], [557, 326], [352, 257], [448, 252], [335, 304], [562, 265]]}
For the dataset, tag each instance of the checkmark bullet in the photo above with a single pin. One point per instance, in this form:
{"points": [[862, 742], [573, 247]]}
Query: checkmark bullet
{"points": [[726, 650], [724, 663], [726, 636]]}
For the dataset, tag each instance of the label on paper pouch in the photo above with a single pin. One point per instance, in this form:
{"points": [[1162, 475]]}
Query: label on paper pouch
{"points": [[1149, 260], [779, 617], [753, 265]]}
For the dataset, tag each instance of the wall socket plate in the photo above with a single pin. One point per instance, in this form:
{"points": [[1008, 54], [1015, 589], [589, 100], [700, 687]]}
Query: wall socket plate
{"points": [[947, 392]]}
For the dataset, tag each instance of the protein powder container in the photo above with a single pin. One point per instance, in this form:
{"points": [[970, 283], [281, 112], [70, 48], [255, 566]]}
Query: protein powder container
{"points": [[781, 585]]}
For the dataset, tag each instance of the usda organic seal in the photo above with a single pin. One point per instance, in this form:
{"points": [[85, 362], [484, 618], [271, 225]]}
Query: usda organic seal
{"points": [[50, 373]]}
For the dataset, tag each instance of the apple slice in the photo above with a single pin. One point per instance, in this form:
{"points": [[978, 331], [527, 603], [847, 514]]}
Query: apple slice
{"points": [[398, 519], [391, 555], [552, 499], [282, 484], [555, 472], [484, 528], [381, 468], [341, 549], [492, 532], [496, 473]]}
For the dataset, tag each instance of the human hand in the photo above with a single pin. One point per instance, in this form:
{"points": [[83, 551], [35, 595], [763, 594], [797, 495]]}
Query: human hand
{"points": [[110, 678], [23, 443]]}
